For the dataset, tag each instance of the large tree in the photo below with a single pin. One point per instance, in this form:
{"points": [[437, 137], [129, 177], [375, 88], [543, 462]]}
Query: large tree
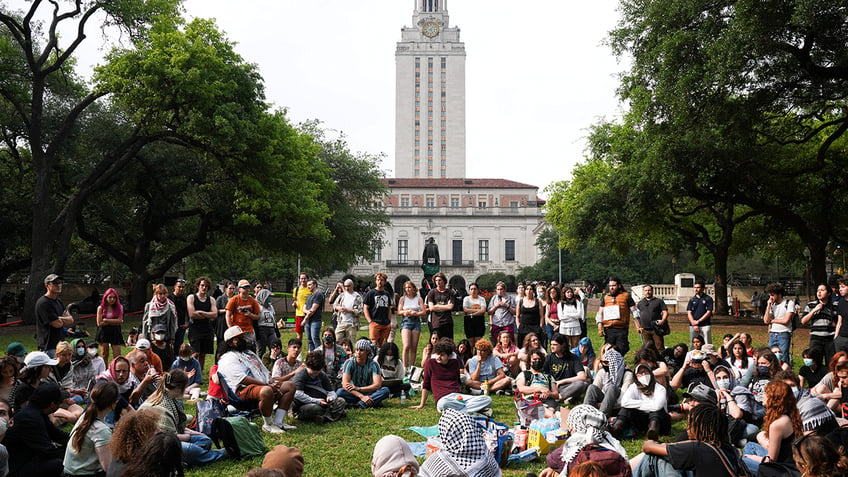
{"points": [[745, 100]]}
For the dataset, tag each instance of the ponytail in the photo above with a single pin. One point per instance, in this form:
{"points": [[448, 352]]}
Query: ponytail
{"points": [[104, 394]]}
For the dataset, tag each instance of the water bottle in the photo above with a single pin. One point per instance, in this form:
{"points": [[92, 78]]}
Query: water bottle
{"points": [[403, 397], [486, 387]]}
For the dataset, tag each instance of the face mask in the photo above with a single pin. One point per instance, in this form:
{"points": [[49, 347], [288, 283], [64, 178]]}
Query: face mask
{"points": [[763, 370], [185, 359], [241, 345], [808, 362], [92, 352], [537, 365], [723, 383], [80, 351], [159, 337], [645, 380], [329, 339], [779, 356]]}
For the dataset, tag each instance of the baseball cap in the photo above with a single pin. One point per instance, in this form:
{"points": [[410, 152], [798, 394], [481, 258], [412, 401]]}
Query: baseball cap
{"points": [[52, 278], [701, 393], [39, 358], [232, 332], [244, 284], [46, 394], [17, 350], [142, 344], [160, 328]]}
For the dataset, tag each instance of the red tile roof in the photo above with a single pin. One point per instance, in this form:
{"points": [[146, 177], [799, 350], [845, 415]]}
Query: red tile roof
{"points": [[438, 183]]}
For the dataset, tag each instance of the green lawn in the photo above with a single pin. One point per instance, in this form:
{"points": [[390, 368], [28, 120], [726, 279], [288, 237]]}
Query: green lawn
{"points": [[345, 448]]}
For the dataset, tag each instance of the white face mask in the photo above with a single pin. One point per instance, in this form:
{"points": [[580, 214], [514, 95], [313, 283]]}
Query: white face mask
{"points": [[92, 352], [645, 380], [159, 336], [723, 383]]}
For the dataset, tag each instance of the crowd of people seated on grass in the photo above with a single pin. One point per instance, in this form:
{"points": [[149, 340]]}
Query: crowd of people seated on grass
{"points": [[745, 406]]}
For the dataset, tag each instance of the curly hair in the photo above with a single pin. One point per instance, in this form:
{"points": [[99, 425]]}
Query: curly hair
{"points": [[444, 346], [132, 432], [708, 423], [484, 345], [835, 360], [780, 401], [527, 340], [315, 360]]}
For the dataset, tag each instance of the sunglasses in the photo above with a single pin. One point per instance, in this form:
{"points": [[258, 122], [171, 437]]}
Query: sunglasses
{"points": [[797, 443]]}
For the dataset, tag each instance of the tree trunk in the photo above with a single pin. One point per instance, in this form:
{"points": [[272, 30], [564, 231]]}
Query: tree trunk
{"points": [[720, 254], [818, 262], [138, 292]]}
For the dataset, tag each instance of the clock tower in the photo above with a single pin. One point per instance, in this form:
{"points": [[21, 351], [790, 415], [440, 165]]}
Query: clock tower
{"points": [[430, 96]]}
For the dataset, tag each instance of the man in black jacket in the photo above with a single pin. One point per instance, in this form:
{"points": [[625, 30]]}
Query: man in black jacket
{"points": [[36, 446]]}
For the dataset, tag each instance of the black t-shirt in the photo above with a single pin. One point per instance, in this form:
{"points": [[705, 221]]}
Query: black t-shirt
{"points": [[379, 302], [674, 364], [703, 459], [650, 311], [561, 368], [48, 310], [695, 375], [811, 378], [437, 297], [182, 308]]}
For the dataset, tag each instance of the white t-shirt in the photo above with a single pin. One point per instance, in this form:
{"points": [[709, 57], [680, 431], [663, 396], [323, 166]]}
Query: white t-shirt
{"points": [[469, 302], [778, 311]]}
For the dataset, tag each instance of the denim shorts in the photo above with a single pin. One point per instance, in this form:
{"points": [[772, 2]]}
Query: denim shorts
{"points": [[411, 323]]}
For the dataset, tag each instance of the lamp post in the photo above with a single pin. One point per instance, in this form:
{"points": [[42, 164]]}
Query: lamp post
{"points": [[807, 272]]}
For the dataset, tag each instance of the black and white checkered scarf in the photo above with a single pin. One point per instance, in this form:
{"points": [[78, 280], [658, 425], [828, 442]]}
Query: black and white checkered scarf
{"points": [[463, 453]]}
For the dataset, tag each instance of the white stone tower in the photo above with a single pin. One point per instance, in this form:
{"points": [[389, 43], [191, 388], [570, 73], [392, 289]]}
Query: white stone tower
{"points": [[430, 96]]}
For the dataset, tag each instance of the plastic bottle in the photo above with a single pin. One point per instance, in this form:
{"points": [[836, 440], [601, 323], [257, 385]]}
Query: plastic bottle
{"points": [[486, 387], [403, 397]]}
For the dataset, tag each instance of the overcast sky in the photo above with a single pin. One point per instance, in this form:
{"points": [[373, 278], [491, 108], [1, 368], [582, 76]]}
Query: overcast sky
{"points": [[537, 73]]}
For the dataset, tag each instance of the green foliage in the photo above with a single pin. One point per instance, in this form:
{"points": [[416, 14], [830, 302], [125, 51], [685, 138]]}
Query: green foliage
{"points": [[488, 281]]}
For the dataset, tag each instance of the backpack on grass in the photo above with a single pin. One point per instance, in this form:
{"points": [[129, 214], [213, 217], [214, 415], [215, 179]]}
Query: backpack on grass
{"points": [[239, 436]]}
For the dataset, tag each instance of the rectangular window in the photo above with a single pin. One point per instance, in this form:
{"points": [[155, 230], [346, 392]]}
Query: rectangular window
{"points": [[455, 201], [513, 204], [456, 247], [431, 201], [481, 201], [509, 250], [403, 250], [377, 246], [404, 201], [483, 251]]}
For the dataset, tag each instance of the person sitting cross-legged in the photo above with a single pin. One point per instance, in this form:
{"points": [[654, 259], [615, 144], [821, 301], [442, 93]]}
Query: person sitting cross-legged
{"points": [[315, 399], [362, 383], [441, 378], [485, 366], [244, 372]]}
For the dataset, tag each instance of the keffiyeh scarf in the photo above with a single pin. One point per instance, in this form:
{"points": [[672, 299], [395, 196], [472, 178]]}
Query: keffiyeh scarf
{"points": [[463, 453], [588, 425], [616, 369]]}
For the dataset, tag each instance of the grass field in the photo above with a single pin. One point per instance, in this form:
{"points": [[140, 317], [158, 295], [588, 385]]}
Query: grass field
{"points": [[345, 448]]}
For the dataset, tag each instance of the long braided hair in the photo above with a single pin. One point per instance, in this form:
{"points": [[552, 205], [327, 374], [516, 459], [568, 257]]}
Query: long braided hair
{"points": [[708, 423]]}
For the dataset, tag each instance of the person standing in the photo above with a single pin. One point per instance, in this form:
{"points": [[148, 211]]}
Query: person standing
{"points": [[411, 308], [348, 305], [110, 315], [301, 293], [653, 313], [614, 316], [202, 311], [51, 316], [700, 311], [531, 319], [266, 326], [778, 316], [378, 310], [440, 305], [474, 307], [178, 298], [840, 343], [313, 313], [243, 311], [502, 310], [822, 315]]}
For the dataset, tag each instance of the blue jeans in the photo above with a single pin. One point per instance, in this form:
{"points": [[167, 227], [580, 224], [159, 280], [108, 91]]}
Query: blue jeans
{"points": [[655, 466], [198, 450], [782, 341], [313, 334], [754, 449], [377, 396], [549, 330]]}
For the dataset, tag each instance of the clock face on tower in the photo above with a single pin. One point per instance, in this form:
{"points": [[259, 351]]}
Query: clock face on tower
{"points": [[430, 29]]}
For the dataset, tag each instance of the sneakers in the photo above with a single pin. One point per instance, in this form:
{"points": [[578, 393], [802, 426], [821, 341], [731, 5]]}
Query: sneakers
{"points": [[271, 429], [286, 427]]}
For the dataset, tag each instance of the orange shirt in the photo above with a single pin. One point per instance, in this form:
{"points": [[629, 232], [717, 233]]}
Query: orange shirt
{"points": [[238, 305]]}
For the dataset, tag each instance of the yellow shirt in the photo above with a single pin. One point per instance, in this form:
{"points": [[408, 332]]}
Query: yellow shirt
{"points": [[302, 294]]}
